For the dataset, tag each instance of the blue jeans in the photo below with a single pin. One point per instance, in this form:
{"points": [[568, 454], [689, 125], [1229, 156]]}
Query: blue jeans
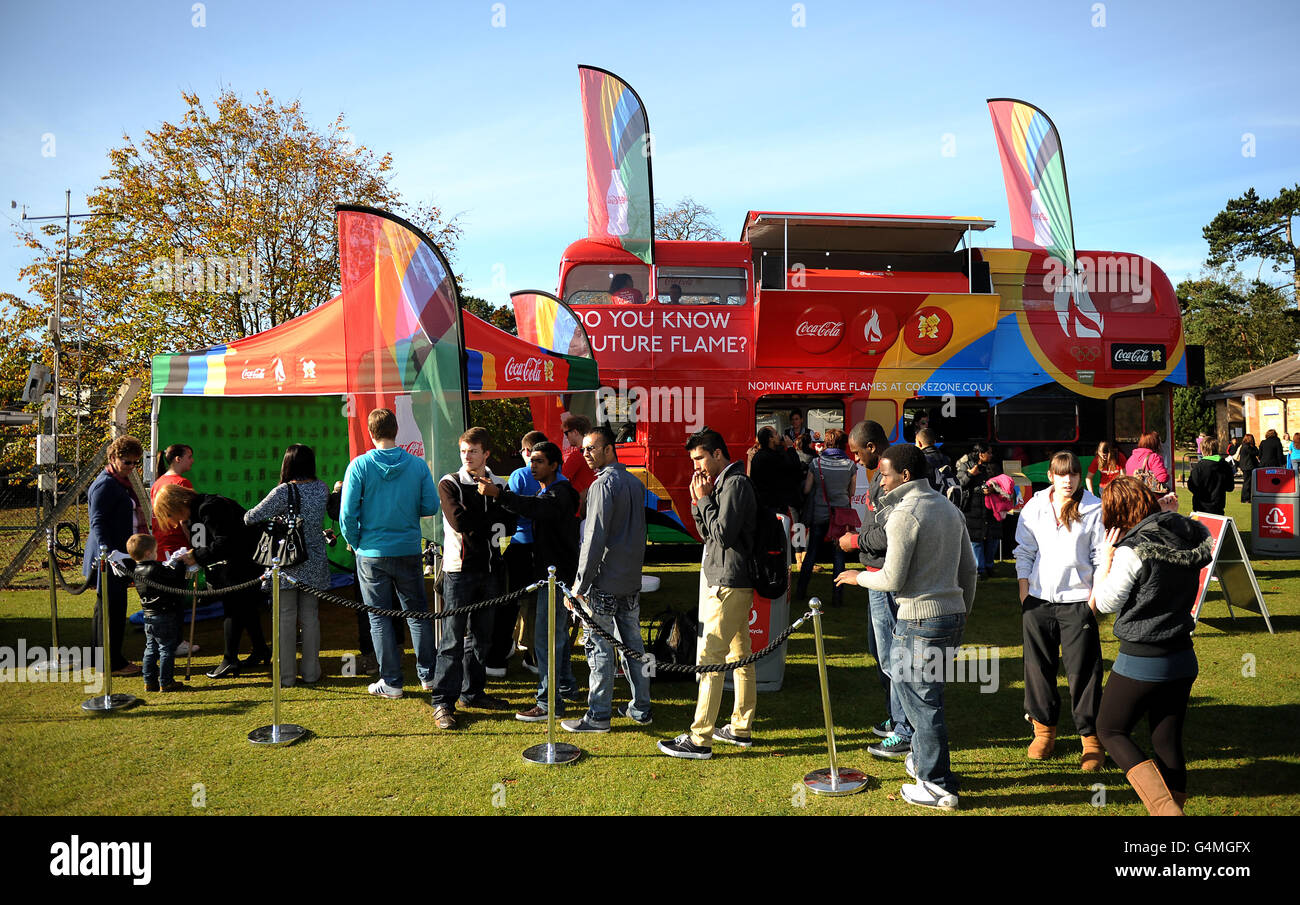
{"points": [[884, 613], [162, 632], [379, 578], [462, 654], [620, 616], [986, 553], [565, 680], [920, 658]]}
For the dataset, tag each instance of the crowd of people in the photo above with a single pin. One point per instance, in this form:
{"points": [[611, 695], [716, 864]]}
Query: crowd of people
{"points": [[1104, 541]]}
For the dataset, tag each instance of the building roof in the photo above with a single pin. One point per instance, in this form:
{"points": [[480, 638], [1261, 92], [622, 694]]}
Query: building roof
{"points": [[1281, 377]]}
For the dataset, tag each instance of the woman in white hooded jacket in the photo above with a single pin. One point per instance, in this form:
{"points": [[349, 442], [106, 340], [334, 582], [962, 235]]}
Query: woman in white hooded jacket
{"points": [[1059, 546]]}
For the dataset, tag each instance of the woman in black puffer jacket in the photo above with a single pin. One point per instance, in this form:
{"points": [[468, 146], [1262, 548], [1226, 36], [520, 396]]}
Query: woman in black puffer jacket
{"points": [[223, 546], [1149, 576]]}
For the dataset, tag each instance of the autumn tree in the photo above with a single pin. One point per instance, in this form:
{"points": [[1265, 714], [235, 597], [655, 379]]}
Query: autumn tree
{"points": [[211, 228], [1251, 227], [687, 219]]}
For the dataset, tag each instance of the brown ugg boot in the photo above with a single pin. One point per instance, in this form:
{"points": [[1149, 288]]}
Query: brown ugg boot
{"points": [[1150, 786], [1044, 742], [1094, 757]]}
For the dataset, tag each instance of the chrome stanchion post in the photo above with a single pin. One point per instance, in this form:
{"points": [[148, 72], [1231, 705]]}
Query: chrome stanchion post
{"points": [[276, 734], [831, 781], [108, 701], [552, 753], [51, 663]]}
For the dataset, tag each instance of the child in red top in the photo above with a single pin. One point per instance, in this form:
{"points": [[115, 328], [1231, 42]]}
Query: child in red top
{"points": [[173, 462], [1108, 464]]}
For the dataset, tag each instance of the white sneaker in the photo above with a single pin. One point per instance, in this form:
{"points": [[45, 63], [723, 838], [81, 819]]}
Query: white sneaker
{"points": [[495, 672], [382, 689], [928, 795], [183, 649], [910, 766]]}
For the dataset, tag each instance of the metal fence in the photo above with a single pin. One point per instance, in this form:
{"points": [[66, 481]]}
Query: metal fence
{"points": [[31, 507]]}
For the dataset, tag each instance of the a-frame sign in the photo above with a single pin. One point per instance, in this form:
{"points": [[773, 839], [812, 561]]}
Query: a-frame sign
{"points": [[1231, 568]]}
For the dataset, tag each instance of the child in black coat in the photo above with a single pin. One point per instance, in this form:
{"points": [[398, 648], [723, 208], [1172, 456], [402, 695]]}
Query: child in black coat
{"points": [[162, 611]]}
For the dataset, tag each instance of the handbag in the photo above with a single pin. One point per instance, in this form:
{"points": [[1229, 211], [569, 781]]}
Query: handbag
{"points": [[1148, 477], [282, 537], [843, 519]]}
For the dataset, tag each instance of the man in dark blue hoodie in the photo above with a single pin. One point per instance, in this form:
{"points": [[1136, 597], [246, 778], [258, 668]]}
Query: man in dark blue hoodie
{"points": [[385, 492]]}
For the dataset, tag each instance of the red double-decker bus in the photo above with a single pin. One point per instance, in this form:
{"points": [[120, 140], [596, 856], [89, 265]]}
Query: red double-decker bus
{"points": [[898, 319]]}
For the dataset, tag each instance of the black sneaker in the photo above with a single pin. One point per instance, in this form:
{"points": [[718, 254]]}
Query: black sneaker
{"points": [[683, 747], [725, 734], [482, 701], [623, 712]]}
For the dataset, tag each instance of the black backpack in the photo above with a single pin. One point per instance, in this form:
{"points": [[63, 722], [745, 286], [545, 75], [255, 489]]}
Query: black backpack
{"points": [[943, 478], [675, 642], [768, 563]]}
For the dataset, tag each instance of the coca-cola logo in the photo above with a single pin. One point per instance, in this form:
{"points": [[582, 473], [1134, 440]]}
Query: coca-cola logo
{"points": [[826, 328], [415, 448], [252, 374], [1137, 356], [819, 329], [530, 369]]}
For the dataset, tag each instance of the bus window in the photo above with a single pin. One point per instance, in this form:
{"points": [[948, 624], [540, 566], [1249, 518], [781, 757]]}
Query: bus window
{"points": [[700, 285], [618, 410], [818, 414], [1128, 419], [959, 421], [603, 284], [1031, 418]]}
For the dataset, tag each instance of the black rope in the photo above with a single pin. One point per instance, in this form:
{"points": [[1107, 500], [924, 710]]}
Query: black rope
{"points": [[640, 657], [187, 593], [330, 597]]}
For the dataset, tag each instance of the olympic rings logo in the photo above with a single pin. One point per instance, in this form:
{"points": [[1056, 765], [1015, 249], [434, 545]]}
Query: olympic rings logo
{"points": [[1085, 353]]}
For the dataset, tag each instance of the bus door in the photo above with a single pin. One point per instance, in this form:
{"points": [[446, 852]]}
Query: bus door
{"points": [[1133, 414]]}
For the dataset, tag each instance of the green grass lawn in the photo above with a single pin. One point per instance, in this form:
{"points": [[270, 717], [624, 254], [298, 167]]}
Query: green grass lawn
{"points": [[188, 753]]}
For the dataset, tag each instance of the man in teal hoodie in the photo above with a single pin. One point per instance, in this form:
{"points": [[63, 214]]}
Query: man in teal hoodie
{"points": [[385, 492]]}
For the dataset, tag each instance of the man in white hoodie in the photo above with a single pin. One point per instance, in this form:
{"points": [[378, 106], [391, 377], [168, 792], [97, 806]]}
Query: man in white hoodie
{"points": [[930, 568]]}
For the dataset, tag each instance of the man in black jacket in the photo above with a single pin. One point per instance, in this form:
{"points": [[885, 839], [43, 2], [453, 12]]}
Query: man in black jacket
{"points": [[554, 513], [774, 471], [725, 511]]}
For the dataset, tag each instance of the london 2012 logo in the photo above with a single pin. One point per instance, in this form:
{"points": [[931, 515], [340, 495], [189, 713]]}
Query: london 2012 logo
{"points": [[928, 330]]}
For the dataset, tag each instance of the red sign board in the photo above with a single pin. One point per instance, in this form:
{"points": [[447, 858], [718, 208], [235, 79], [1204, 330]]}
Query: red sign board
{"points": [[1275, 520], [760, 623]]}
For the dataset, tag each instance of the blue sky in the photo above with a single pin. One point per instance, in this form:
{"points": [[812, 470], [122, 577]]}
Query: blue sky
{"points": [[751, 110]]}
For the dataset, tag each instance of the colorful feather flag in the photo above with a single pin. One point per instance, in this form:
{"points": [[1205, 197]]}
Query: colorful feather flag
{"points": [[544, 320], [403, 336], [620, 197], [1033, 168]]}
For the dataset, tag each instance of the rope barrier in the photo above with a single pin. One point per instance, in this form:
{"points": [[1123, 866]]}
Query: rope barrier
{"points": [[640, 657], [187, 593], [330, 597]]}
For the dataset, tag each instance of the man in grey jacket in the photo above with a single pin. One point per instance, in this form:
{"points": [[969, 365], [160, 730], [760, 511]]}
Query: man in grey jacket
{"points": [[726, 512], [930, 567], [609, 582]]}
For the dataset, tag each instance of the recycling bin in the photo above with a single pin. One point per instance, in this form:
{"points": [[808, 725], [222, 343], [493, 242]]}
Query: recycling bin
{"points": [[1274, 504], [767, 619]]}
